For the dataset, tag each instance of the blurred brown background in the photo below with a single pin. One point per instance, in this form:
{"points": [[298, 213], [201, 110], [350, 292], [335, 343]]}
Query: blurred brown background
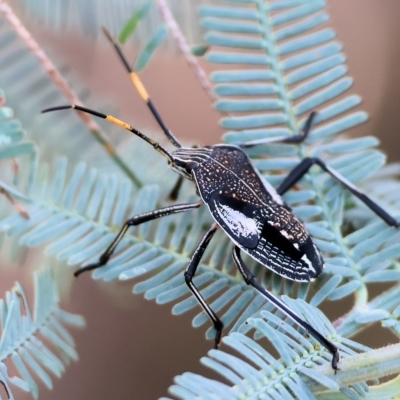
{"points": [[132, 348]]}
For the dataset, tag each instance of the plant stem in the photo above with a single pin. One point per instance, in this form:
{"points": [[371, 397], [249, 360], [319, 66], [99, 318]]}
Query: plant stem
{"points": [[184, 47], [384, 391], [368, 366]]}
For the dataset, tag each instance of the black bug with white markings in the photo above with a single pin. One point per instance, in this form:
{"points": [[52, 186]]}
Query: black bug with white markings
{"points": [[249, 210]]}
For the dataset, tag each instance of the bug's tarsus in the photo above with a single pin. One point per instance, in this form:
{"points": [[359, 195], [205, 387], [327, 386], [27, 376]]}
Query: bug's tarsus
{"points": [[296, 139], [189, 274], [335, 360], [250, 279], [89, 267], [137, 83], [137, 220]]}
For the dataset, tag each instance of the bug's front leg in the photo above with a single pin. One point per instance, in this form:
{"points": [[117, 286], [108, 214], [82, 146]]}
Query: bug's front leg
{"points": [[173, 195], [251, 280], [190, 271], [137, 220]]}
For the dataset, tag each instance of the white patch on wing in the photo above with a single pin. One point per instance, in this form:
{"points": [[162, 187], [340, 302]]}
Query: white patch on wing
{"points": [[238, 223], [308, 262]]}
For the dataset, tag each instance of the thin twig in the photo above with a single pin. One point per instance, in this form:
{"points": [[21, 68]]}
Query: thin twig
{"points": [[20, 209], [185, 49], [57, 78]]}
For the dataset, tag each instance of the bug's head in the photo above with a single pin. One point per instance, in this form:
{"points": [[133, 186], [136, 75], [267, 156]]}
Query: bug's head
{"points": [[185, 160]]}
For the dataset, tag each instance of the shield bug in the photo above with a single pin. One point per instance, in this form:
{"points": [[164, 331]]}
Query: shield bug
{"points": [[244, 205]]}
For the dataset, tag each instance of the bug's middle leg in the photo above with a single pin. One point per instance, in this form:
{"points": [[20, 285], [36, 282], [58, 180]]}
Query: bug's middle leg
{"points": [[251, 280], [190, 271]]}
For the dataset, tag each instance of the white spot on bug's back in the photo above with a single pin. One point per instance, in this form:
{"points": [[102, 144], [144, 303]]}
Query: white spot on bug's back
{"points": [[238, 223]]}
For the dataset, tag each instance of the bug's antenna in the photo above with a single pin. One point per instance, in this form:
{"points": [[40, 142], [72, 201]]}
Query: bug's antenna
{"points": [[141, 89], [115, 121]]}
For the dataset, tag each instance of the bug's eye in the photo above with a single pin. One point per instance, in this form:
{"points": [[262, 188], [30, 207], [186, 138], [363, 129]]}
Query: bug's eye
{"points": [[191, 165]]}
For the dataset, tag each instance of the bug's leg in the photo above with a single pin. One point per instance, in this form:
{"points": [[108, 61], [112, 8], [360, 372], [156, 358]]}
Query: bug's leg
{"points": [[137, 220], [251, 280], [141, 89], [190, 271], [296, 139], [301, 169], [173, 195]]}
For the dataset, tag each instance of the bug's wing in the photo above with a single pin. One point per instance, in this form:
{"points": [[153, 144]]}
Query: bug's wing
{"points": [[271, 234], [236, 219], [285, 246]]}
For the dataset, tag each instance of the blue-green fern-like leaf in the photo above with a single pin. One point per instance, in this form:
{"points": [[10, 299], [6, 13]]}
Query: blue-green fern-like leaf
{"points": [[288, 71], [15, 148], [22, 333], [259, 374]]}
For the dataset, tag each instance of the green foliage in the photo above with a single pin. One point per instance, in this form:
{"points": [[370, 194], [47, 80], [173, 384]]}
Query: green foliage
{"points": [[132, 23], [148, 50], [287, 66], [156, 39]]}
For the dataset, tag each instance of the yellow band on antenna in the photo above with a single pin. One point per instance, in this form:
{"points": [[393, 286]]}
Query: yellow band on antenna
{"points": [[118, 122], [139, 86]]}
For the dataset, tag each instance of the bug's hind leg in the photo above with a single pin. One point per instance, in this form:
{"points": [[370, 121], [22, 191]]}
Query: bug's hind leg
{"points": [[137, 220], [302, 168], [251, 280], [190, 271]]}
